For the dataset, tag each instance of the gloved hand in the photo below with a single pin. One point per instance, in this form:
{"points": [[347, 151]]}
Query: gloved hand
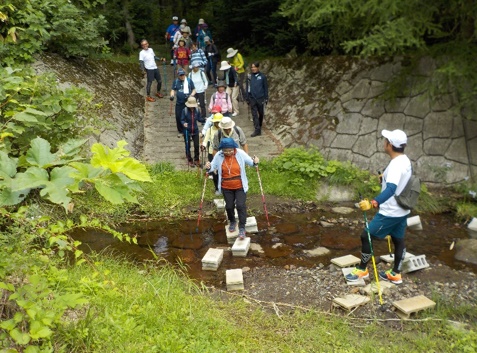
{"points": [[366, 205], [171, 98], [255, 159]]}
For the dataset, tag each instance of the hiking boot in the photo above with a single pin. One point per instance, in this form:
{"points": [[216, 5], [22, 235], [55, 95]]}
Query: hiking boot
{"points": [[391, 276], [160, 95], [255, 133], [357, 274], [150, 99], [241, 233], [232, 226], [235, 114]]}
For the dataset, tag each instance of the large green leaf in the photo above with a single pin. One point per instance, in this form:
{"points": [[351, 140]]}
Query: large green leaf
{"points": [[39, 153], [29, 115], [56, 189], [134, 169], [8, 166], [9, 197], [84, 171], [32, 178], [71, 148], [113, 190]]}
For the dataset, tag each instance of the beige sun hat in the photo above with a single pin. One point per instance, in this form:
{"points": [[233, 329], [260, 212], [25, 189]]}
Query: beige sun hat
{"points": [[226, 123], [224, 65], [191, 102], [231, 52], [201, 21]]}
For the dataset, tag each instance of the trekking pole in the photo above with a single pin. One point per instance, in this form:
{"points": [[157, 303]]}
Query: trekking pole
{"points": [[165, 76], [198, 164], [263, 196], [372, 257], [187, 151], [388, 237], [201, 203], [170, 114]]}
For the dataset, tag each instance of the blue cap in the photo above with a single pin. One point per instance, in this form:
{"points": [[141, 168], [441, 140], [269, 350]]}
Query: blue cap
{"points": [[181, 72], [227, 142]]}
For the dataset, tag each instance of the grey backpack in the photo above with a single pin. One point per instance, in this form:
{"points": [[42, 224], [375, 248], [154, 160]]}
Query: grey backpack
{"points": [[407, 199]]}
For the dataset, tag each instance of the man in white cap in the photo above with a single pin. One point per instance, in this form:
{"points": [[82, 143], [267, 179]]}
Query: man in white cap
{"points": [[229, 129], [170, 32], [391, 218], [236, 61], [232, 89]]}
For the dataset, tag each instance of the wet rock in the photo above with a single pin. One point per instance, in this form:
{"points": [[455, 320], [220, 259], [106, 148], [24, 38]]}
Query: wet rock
{"points": [[326, 224], [342, 210], [466, 251], [278, 250], [161, 245], [320, 251], [256, 247]]}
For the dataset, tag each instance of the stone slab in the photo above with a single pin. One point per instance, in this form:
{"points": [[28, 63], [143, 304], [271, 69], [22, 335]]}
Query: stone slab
{"points": [[345, 261], [212, 258], [390, 259], [251, 229], [234, 279], [219, 204], [348, 270], [231, 236], [383, 286], [414, 263], [412, 305], [351, 301], [414, 223], [241, 247], [251, 221], [472, 224]]}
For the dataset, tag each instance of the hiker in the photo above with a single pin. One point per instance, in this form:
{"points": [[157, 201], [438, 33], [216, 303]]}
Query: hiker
{"points": [[236, 60], [170, 32], [212, 54], [391, 218], [186, 27], [229, 129], [222, 98], [208, 122], [229, 164], [257, 97], [207, 144], [197, 56], [147, 61], [186, 36], [177, 37], [189, 118], [182, 55], [200, 83], [183, 87], [202, 30], [231, 81]]}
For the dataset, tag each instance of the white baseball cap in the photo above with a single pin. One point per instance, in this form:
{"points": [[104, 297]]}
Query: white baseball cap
{"points": [[397, 138]]}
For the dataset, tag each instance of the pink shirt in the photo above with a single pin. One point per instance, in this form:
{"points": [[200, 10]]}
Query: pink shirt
{"points": [[222, 99]]}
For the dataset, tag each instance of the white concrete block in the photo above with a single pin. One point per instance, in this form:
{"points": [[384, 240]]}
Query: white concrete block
{"points": [[241, 247], [345, 261], [390, 259], [251, 229], [234, 279], [348, 270], [473, 224], [231, 236], [414, 223], [251, 221], [212, 259], [219, 203], [414, 263]]}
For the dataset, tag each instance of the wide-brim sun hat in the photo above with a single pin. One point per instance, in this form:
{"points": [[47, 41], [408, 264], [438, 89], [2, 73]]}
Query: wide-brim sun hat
{"points": [[194, 65], [183, 20], [201, 21], [224, 65], [206, 39], [191, 102], [231, 52], [227, 142], [185, 30], [226, 123], [217, 118], [397, 137]]}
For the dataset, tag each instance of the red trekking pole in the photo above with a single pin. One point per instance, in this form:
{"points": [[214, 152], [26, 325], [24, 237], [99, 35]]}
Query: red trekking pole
{"points": [[201, 203]]}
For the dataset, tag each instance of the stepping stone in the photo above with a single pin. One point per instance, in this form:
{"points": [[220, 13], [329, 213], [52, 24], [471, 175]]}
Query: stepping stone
{"points": [[412, 305], [234, 279], [347, 270], [212, 259], [256, 247], [414, 263], [319, 251], [373, 287], [219, 203], [346, 261], [389, 259], [473, 225], [414, 223], [351, 301], [231, 236], [241, 247], [251, 225]]}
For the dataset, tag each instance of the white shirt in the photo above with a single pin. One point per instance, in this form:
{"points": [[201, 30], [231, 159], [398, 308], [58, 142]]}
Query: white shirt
{"points": [[397, 172], [200, 81], [148, 57]]}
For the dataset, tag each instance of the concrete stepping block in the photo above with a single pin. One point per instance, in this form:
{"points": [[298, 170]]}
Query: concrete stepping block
{"points": [[212, 259], [412, 305], [231, 236], [346, 261], [472, 225], [389, 259], [414, 223], [251, 225], [234, 279], [414, 263], [219, 204], [372, 288], [351, 301], [359, 283], [241, 247]]}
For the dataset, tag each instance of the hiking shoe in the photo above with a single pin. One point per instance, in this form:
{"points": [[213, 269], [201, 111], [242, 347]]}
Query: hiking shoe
{"points": [[232, 226], [357, 274], [150, 99], [235, 114], [160, 95], [241, 233], [255, 133], [212, 177], [391, 276]]}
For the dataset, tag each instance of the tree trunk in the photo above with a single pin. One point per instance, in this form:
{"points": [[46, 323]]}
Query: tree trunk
{"points": [[129, 30]]}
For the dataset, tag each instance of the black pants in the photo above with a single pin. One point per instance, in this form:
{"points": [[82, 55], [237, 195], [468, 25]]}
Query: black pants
{"points": [[201, 99], [236, 199], [188, 138], [179, 108], [399, 251], [211, 70], [258, 112], [151, 76], [215, 176]]}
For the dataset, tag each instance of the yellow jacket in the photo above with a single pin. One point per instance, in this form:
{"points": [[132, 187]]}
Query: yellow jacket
{"points": [[237, 62]]}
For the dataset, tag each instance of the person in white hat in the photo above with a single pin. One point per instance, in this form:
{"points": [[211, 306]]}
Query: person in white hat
{"points": [[186, 27], [229, 129], [391, 218], [169, 36], [189, 118], [236, 61], [232, 89]]}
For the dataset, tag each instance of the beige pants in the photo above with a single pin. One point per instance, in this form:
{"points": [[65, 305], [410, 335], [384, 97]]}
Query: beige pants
{"points": [[233, 92]]}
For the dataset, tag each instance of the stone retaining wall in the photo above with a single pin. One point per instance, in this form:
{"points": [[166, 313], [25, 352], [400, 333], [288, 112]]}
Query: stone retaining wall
{"points": [[337, 104]]}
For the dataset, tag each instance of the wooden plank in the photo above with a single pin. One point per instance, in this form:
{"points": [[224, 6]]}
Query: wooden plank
{"points": [[412, 305]]}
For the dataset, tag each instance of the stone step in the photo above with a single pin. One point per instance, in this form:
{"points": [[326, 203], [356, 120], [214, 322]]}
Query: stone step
{"points": [[234, 279], [390, 258], [350, 301], [241, 247], [414, 223], [231, 236], [212, 259], [406, 307], [346, 261]]}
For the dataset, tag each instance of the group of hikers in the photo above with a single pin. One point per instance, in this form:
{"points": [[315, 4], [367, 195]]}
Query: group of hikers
{"points": [[226, 145]]}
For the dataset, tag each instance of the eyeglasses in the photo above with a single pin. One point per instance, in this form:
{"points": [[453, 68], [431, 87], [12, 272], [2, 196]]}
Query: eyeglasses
{"points": [[228, 151]]}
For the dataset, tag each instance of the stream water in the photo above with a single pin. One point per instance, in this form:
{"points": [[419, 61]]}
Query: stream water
{"points": [[283, 243]]}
